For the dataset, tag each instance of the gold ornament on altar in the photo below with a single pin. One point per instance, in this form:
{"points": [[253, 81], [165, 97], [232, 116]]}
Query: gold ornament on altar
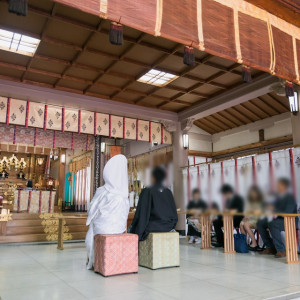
{"points": [[50, 223]]}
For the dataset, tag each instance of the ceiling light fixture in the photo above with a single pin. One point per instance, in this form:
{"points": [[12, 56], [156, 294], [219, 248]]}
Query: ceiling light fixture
{"points": [[158, 78], [18, 43]]}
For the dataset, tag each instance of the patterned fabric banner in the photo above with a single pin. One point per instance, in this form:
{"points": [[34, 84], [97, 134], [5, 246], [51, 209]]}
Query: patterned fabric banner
{"points": [[143, 130], [54, 118], [102, 124], [60, 119], [17, 113], [155, 135], [130, 129], [71, 120], [36, 115], [3, 109], [87, 122], [116, 127]]}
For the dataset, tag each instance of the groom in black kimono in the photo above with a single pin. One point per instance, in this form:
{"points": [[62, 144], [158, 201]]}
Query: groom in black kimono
{"points": [[156, 210]]}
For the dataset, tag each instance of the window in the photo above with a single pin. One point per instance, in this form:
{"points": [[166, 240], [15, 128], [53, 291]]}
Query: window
{"points": [[157, 78], [18, 43]]}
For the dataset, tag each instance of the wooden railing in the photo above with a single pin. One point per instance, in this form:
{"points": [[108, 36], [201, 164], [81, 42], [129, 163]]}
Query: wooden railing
{"points": [[289, 227]]}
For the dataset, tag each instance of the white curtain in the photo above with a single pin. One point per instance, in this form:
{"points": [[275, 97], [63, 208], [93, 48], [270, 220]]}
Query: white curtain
{"points": [[83, 188]]}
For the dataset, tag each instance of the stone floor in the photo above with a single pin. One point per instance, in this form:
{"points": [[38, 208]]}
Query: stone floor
{"points": [[39, 272]]}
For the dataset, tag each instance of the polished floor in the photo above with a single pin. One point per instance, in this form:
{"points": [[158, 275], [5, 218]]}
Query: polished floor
{"points": [[39, 272]]}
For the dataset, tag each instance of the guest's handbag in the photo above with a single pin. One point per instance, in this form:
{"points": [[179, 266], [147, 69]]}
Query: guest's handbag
{"points": [[240, 243]]}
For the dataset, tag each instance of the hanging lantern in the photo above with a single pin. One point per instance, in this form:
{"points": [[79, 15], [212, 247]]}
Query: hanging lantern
{"points": [[185, 139], [18, 7], [246, 74], [103, 146], [294, 103], [188, 56], [116, 33], [289, 89]]}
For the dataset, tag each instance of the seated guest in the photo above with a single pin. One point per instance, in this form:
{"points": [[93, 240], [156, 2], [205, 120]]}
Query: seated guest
{"points": [[108, 211], [232, 202], [284, 203], [193, 222], [156, 210], [255, 204]]}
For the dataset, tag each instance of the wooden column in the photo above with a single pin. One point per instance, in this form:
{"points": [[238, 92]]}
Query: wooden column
{"points": [[290, 240], [205, 232], [97, 162], [228, 234], [61, 178], [60, 240]]}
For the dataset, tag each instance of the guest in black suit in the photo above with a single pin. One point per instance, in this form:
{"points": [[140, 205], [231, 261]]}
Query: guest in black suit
{"points": [[196, 203], [284, 203], [232, 202]]}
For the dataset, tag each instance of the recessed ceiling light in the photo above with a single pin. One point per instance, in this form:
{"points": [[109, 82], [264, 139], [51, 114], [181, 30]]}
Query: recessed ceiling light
{"points": [[158, 78], [18, 43]]}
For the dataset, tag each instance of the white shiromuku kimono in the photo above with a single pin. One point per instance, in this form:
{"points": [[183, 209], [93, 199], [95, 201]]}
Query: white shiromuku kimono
{"points": [[108, 211]]}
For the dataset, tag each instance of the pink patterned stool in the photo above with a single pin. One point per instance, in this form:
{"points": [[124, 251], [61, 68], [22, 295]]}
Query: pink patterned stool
{"points": [[116, 254]]}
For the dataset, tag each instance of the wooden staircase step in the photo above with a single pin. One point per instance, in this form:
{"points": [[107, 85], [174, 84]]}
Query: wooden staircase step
{"points": [[25, 238]]}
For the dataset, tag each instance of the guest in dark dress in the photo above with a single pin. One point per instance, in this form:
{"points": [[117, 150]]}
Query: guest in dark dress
{"points": [[193, 223], [232, 202], [156, 210], [284, 203]]}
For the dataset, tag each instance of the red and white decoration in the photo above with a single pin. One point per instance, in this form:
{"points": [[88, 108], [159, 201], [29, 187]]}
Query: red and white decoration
{"points": [[241, 173], [49, 117]]}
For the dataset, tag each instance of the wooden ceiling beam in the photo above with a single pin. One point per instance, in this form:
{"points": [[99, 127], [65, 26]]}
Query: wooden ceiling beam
{"points": [[226, 121], [258, 109], [248, 120], [114, 62], [79, 53], [227, 115], [81, 80], [210, 124], [44, 29], [272, 108], [215, 121], [285, 108], [208, 129]]}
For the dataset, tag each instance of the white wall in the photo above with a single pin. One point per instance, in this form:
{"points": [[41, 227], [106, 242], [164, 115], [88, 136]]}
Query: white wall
{"points": [[274, 127]]}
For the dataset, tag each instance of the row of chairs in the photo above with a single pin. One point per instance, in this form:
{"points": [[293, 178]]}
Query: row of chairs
{"points": [[122, 254]]}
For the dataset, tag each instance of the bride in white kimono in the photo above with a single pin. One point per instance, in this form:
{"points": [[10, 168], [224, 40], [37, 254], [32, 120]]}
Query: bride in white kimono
{"points": [[108, 211]]}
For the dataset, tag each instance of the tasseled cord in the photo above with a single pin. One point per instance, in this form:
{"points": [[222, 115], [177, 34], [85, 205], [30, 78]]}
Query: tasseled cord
{"points": [[246, 74], [188, 56], [289, 89], [18, 7], [116, 33]]}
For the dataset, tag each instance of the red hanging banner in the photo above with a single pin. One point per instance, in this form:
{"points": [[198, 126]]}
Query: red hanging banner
{"points": [[293, 172], [254, 170], [8, 111], [27, 111]]}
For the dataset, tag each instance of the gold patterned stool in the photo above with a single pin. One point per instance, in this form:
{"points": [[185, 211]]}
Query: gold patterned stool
{"points": [[160, 250]]}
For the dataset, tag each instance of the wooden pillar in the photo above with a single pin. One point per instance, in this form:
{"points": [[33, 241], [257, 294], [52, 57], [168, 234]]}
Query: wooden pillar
{"points": [[290, 240], [97, 162], [60, 240], [228, 234], [205, 232], [61, 178], [180, 159]]}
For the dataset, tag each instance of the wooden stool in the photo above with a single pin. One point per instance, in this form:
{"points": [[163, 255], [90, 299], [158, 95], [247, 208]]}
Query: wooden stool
{"points": [[160, 250], [116, 254]]}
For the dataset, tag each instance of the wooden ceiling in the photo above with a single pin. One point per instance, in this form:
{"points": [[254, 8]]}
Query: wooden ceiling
{"points": [[75, 55], [248, 112]]}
